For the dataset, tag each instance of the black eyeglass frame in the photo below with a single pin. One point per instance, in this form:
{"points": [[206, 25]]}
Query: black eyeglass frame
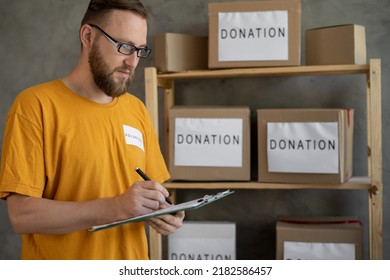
{"points": [[141, 52]]}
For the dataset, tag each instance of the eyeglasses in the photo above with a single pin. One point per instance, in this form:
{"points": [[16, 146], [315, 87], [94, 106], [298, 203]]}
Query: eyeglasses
{"points": [[125, 48]]}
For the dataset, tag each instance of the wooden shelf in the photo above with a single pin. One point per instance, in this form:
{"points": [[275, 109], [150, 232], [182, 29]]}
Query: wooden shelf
{"points": [[372, 184], [355, 183]]}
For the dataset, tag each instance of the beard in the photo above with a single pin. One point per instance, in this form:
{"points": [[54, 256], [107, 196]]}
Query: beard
{"points": [[104, 77]]}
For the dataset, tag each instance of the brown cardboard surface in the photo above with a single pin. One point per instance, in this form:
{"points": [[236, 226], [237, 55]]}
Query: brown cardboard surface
{"points": [[294, 22], [201, 173], [319, 229], [343, 44], [343, 117], [180, 52]]}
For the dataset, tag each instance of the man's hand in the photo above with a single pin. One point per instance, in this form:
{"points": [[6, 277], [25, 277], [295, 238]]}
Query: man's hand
{"points": [[141, 198], [167, 224]]}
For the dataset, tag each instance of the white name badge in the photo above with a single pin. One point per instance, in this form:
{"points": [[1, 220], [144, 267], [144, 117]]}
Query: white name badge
{"points": [[208, 142], [253, 36], [133, 137], [318, 251], [303, 147]]}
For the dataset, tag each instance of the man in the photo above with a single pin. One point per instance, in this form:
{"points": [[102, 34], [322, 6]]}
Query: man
{"points": [[71, 147]]}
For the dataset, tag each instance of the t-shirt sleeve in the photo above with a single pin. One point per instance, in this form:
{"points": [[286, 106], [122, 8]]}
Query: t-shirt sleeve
{"points": [[22, 164]]}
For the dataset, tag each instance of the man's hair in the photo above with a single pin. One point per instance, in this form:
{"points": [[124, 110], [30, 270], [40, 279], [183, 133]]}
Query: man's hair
{"points": [[98, 9]]}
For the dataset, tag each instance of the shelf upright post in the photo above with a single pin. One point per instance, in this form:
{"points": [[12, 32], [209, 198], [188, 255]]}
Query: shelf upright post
{"points": [[169, 101], [374, 142], [151, 102], [151, 95]]}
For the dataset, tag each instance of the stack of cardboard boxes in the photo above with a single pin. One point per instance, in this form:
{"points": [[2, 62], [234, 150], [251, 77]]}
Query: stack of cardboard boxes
{"points": [[294, 145]]}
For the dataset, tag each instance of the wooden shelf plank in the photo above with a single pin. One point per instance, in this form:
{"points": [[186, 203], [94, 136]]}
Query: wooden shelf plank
{"points": [[355, 183], [265, 72]]}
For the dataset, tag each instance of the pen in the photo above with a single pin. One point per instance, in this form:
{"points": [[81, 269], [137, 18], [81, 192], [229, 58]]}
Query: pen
{"points": [[146, 178]]}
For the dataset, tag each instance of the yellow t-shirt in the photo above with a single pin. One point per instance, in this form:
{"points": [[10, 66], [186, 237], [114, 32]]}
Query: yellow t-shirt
{"points": [[61, 146]]}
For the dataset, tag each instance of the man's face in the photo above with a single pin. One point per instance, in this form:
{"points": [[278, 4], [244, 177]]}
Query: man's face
{"points": [[112, 71], [105, 77]]}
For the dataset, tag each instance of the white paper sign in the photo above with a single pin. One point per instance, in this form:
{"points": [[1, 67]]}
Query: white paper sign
{"points": [[208, 142], [303, 147], [318, 251], [203, 241], [133, 137], [253, 36]]}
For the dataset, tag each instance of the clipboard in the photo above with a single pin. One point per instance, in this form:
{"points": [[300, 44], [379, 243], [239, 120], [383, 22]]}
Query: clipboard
{"points": [[185, 206]]}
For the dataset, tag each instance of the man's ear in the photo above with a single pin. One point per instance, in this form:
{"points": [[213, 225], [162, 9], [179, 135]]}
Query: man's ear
{"points": [[86, 35]]}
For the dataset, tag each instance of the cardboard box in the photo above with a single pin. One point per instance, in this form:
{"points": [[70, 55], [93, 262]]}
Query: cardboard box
{"points": [[305, 145], [209, 143], [326, 238], [343, 44], [255, 34], [203, 241], [180, 52]]}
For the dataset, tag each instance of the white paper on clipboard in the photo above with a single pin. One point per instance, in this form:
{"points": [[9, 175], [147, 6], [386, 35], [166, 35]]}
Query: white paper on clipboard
{"points": [[185, 206]]}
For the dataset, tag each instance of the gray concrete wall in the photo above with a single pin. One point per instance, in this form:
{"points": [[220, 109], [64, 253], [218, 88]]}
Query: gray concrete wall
{"points": [[39, 42]]}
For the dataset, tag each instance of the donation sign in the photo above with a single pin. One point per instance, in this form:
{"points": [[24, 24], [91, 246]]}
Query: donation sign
{"points": [[216, 142], [303, 147], [253, 36]]}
